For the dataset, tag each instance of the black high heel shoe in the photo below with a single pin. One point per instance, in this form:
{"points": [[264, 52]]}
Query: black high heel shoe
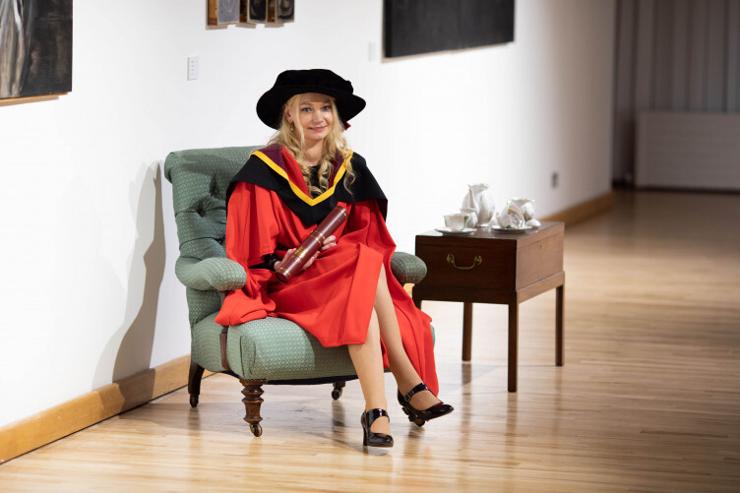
{"points": [[370, 438], [421, 416]]}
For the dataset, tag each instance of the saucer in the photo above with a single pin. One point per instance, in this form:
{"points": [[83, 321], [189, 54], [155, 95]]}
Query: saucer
{"points": [[513, 230], [461, 232]]}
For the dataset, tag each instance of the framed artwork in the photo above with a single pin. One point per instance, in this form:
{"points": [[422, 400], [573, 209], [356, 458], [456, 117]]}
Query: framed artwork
{"points": [[254, 11], [250, 12], [223, 12], [413, 27], [272, 12], [35, 48]]}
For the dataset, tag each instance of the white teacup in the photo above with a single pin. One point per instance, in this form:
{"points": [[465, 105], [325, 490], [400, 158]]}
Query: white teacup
{"points": [[456, 221]]}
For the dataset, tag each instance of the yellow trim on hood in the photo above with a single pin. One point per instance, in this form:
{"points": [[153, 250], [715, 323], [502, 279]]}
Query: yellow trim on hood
{"points": [[295, 188]]}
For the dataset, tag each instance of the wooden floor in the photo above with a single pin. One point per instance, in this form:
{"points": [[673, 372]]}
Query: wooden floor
{"points": [[649, 399]]}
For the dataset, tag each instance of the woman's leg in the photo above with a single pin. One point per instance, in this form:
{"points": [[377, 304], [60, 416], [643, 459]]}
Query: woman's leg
{"points": [[404, 372], [367, 359]]}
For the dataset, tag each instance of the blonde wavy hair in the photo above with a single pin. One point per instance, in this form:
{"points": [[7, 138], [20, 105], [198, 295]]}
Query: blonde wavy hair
{"points": [[291, 136]]}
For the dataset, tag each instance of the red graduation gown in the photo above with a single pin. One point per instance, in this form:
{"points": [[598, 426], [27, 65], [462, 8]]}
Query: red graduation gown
{"points": [[332, 299]]}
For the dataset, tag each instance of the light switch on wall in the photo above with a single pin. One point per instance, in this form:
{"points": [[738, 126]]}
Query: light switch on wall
{"points": [[193, 67]]}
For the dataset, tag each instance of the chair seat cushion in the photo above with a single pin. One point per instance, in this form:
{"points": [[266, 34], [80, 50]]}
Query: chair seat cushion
{"points": [[278, 349], [269, 349]]}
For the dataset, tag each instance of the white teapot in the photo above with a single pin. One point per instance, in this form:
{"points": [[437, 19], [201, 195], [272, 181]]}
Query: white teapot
{"points": [[480, 200]]}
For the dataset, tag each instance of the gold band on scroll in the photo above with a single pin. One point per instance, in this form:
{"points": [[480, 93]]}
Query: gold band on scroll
{"points": [[299, 252]]}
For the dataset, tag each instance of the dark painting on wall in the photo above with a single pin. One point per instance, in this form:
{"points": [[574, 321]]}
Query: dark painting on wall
{"points": [[422, 26], [35, 47]]}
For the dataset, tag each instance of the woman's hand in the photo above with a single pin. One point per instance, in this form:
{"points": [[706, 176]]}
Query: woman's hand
{"points": [[329, 242]]}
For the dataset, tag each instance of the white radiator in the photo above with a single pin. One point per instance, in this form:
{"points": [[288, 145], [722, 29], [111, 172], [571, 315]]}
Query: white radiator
{"points": [[688, 150]]}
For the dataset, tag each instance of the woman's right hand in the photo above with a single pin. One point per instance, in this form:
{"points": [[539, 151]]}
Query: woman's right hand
{"points": [[329, 242]]}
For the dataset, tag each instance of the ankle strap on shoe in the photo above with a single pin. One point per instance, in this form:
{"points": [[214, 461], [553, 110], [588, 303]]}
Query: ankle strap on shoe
{"points": [[373, 414], [419, 388]]}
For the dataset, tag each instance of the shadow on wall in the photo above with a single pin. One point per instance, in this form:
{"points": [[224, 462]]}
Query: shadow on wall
{"points": [[135, 338]]}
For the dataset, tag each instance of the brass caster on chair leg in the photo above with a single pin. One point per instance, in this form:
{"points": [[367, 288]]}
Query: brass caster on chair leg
{"points": [[256, 429], [338, 388]]}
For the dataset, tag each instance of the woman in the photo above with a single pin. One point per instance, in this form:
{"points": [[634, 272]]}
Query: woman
{"points": [[345, 294]]}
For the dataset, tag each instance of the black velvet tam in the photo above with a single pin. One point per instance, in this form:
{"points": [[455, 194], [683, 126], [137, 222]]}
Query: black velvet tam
{"points": [[322, 81]]}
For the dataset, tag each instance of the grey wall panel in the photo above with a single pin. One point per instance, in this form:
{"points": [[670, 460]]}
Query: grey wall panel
{"points": [[733, 57], [714, 87], [662, 55], [680, 46], [644, 55], [697, 54]]}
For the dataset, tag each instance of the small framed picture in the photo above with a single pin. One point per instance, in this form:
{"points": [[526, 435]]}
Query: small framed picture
{"points": [[253, 11], [286, 10], [223, 12], [272, 13]]}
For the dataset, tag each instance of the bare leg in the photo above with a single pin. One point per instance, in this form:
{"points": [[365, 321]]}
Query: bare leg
{"points": [[404, 372], [367, 359]]}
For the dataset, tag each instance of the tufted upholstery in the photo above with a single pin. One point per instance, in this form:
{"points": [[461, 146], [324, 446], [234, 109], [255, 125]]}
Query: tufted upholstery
{"points": [[270, 349]]}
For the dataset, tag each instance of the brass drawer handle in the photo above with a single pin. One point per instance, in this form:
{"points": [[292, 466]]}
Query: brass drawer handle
{"points": [[476, 262]]}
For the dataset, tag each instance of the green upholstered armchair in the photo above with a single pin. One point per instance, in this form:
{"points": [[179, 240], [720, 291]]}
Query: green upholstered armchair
{"points": [[270, 350]]}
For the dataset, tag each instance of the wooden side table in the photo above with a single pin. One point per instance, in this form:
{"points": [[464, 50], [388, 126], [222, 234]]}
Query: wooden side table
{"points": [[495, 267]]}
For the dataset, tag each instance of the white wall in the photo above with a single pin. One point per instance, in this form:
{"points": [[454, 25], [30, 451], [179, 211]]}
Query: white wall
{"points": [[88, 237]]}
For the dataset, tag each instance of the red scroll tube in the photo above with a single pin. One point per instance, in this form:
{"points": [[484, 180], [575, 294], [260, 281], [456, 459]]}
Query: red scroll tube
{"points": [[294, 262]]}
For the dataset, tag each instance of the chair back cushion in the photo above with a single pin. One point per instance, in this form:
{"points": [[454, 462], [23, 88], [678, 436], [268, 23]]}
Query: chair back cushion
{"points": [[199, 180]]}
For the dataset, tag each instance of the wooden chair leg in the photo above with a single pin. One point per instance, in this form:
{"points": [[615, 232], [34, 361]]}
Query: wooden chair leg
{"points": [[337, 392], [252, 401], [194, 377]]}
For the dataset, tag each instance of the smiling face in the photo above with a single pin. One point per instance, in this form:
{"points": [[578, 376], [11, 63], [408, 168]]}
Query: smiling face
{"points": [[313, 113]]}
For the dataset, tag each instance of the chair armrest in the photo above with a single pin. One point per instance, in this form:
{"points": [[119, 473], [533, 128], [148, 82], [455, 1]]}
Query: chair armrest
{"points": [[215, 273], [223, 274], [408, 268]]}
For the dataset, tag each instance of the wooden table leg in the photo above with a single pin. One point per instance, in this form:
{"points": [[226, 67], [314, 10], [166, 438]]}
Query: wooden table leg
{"points": [[467, 330], [513, 344], [559, 294]]}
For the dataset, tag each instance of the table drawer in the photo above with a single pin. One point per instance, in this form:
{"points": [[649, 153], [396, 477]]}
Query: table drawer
{"points": [[539, 260], [457, 265]]}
